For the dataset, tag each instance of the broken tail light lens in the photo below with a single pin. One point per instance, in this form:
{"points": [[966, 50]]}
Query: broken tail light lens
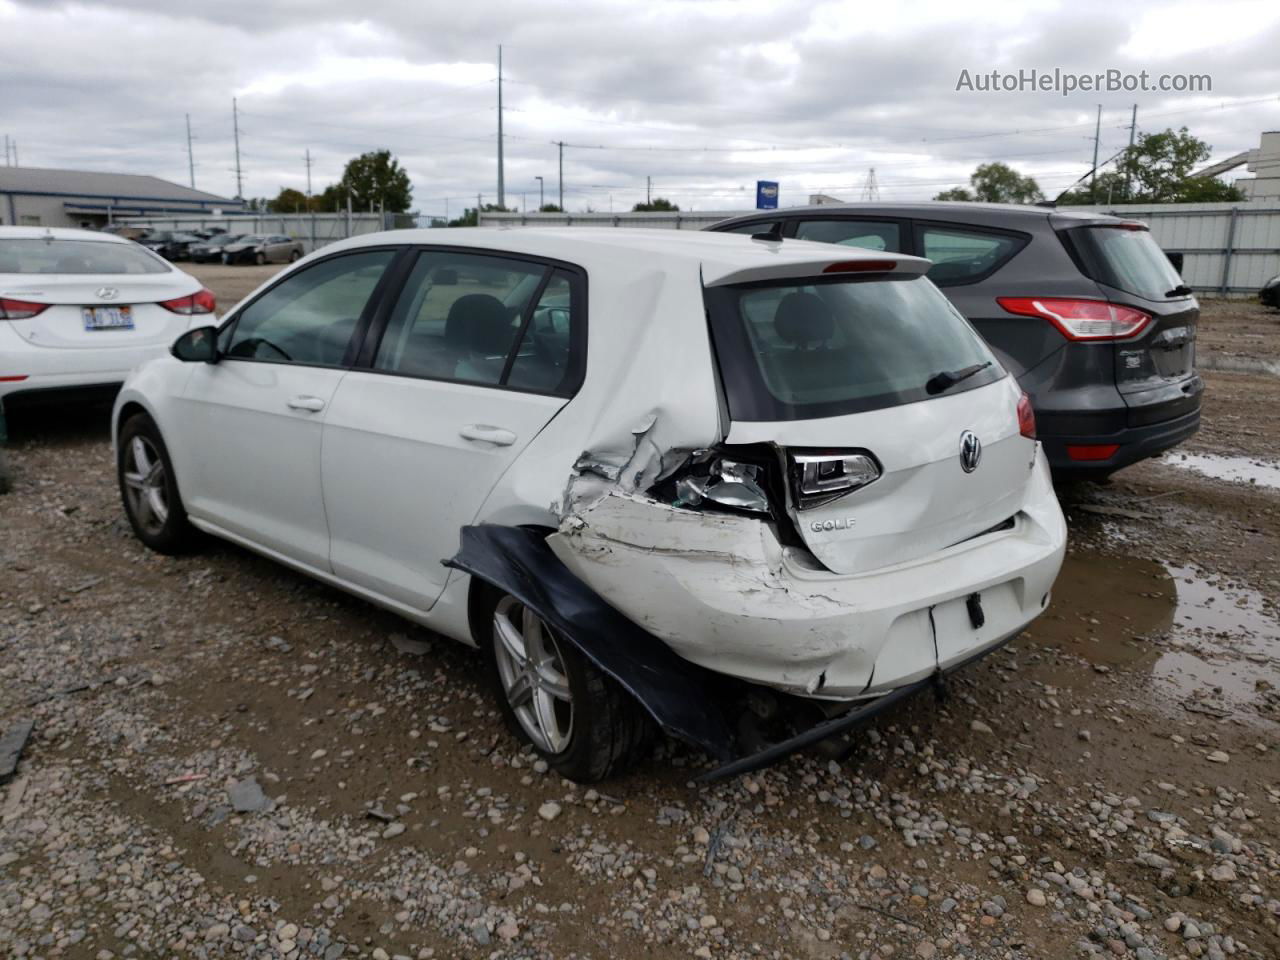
{"points": [[202, 301], [1081, 319], [820, 476], [727, 483], [20, 309], [1026, 418]]}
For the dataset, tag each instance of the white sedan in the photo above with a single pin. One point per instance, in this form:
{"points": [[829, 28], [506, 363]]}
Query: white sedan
{"points": [[683, 478], [82, 309]]}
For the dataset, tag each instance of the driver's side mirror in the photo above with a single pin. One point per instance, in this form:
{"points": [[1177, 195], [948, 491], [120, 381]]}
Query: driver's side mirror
{"points": [[196, 346]]}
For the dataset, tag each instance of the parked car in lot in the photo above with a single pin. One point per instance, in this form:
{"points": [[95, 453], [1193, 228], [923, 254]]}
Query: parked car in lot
{"points": [[210, 250], [1084, 309], [263, 248], [80, 308], [1270, 293], [650, 475], [171, 245]]}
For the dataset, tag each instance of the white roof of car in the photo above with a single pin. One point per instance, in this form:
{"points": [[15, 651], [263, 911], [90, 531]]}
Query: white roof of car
{"points": [[57, 233], [722, 257]]}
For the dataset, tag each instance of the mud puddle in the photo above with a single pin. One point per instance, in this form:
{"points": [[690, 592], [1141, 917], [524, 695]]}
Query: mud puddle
{"points": [[1234, 469], [1210, 645]]}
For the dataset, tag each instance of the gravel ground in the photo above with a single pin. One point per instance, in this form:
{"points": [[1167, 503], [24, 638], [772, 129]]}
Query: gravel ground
{"points": [[231, 760]]}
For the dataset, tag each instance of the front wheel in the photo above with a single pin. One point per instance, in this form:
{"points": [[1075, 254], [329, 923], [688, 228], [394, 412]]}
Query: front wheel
{"points": [[260, 259], [579, 719], [149, 489]]}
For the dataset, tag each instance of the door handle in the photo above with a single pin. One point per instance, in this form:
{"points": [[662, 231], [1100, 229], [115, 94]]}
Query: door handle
{"points": [[489, 434], [314, 404]]}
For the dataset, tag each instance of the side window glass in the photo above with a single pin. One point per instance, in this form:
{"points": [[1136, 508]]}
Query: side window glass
{"points": [[458, 317], [959, 255], [866, 234], [756, 226], [308, 318], [548, 358]]}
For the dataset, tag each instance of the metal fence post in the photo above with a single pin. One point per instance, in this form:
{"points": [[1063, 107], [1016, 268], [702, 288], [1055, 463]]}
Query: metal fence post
{"points": [[1226, 254]]}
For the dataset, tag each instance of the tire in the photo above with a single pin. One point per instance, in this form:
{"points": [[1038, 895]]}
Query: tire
{"points": [[149, 489], [294, 257], [260, 259], [578, 719]]}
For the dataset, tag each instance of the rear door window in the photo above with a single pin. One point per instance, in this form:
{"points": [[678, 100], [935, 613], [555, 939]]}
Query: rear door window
{"points": [[865, 234], [963, 255], [1126, 258]]}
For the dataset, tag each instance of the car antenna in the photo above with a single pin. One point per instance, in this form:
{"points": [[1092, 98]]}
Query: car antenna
{"points": [[772, 235]]}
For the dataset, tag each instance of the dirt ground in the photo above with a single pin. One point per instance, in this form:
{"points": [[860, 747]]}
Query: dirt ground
{"points": [[229, 759]]}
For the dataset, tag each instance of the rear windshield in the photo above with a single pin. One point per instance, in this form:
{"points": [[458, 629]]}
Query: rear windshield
{"points": [[1127, 259], [829, 348], [77, 256]]}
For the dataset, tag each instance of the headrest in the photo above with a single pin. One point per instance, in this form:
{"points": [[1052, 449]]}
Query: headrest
{"points": [[804, 318], [480, 323]]}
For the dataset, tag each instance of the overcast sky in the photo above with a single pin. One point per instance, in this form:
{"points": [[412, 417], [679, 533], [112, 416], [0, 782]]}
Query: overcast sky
{"points": [[704, 97]]}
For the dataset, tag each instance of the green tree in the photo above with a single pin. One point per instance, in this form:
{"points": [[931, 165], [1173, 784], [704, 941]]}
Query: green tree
{"points": [[376, 179], [549, 208], [658, 205], [1156, 169], [469, 217], [996, 183], [288, 200]]}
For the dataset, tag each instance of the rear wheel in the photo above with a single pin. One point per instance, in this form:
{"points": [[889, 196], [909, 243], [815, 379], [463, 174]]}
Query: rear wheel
{"points": [[260, 259], [294, 256], [579, 719], [149, 489]]}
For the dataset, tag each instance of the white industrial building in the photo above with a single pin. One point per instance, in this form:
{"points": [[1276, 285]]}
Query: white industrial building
{"points": [[37, 197]]}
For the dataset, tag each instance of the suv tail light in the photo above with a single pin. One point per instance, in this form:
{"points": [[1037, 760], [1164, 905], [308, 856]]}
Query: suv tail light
{"points": [[20, 309], [820, 476], [1026, 418], [202, 301], [1081, 319]]}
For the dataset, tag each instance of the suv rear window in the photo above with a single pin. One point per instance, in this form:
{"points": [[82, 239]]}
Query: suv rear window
{"points": [[77, 257], [961, 255], [825, 348], [1126, 258]]}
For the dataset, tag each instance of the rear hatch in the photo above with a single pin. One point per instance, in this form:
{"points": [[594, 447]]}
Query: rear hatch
{"points": [[900, 430], [79, 293], [1155, 368]]}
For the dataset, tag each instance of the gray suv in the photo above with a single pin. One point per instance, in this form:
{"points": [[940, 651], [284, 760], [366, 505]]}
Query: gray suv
{"points": [[1084, 309]]}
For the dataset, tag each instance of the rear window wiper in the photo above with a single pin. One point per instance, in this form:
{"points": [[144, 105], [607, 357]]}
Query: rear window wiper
{"points": [[949, 378], [1181, 290]]}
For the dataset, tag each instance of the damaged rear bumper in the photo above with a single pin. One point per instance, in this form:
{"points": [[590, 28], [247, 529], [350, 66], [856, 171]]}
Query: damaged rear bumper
{"points": [[723, 593]]}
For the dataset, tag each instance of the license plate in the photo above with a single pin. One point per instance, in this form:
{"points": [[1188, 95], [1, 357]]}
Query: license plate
{"points": [[107, 318]]}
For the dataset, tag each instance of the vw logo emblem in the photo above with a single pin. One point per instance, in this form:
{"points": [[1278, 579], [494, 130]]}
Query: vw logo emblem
{"points": [[107, 293], [970, 451]]}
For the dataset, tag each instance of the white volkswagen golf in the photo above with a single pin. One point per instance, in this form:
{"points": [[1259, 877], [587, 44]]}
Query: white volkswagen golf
{"points": [[82, 309], [752, 490]]}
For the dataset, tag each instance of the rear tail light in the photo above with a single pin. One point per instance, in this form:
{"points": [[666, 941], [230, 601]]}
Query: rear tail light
{"points": [[1026, 418], [201, 301], [1083, 452], [820, 476], [20, 309], [1081, 319]]}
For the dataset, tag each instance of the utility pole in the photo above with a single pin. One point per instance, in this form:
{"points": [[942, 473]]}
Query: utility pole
{"points": [[6, 150], [648, 191], [871, 189], [502, 192], [541, 203], [311, 212], [1093, 174], [191, 158], [235, 126], [560, 144], [1133, 128]]}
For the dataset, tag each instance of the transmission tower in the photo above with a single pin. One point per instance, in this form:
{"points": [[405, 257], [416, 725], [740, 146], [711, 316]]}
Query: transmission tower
{"points": [[871, 189]]}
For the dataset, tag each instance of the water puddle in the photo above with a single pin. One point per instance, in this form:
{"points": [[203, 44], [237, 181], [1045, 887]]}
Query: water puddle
{"points": [[1207, 643], [1234, 469]]}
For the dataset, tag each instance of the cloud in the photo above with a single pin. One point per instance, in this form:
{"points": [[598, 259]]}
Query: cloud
{"points": [[703, 97]]}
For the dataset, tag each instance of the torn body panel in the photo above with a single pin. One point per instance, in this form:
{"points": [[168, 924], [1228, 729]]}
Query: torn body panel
{"points": [[723, 592]]}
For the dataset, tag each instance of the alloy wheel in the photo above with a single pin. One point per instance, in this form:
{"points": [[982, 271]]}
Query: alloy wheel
{"points": [[533, 675], [145, 485]]}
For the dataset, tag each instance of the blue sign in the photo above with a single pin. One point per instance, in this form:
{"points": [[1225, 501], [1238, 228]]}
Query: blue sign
{"points": [[766, 195]]}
